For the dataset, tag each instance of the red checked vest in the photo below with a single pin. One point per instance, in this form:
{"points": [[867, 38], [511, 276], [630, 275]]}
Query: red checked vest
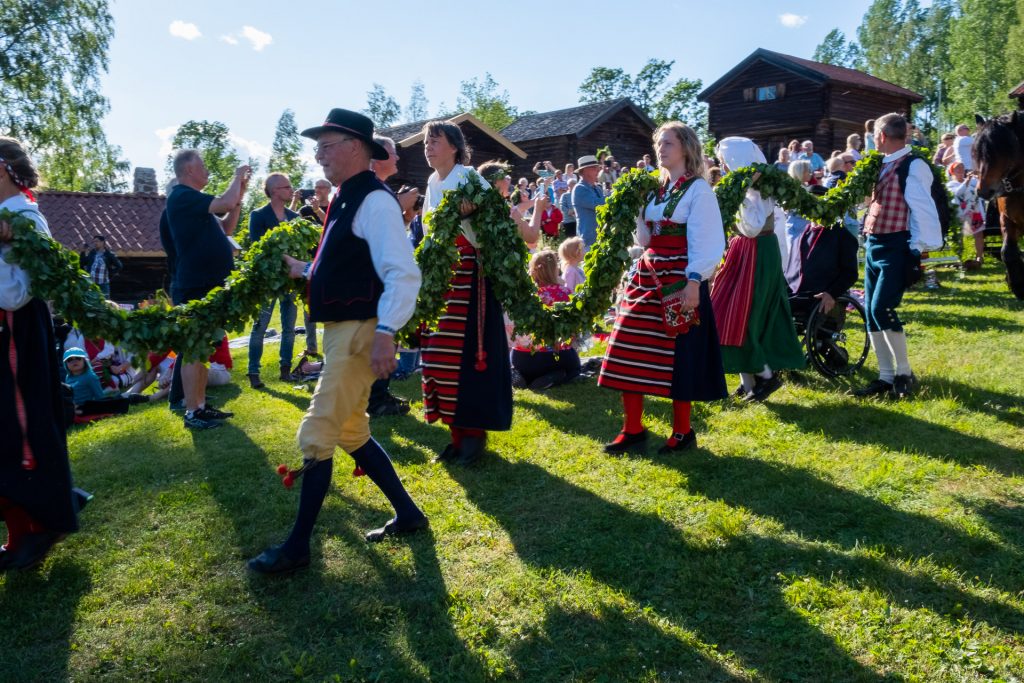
{"points": [[888, 211]]}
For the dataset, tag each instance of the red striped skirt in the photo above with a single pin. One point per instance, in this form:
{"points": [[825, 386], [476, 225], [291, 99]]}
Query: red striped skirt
{"points": [[641, 356], [442, 348]]}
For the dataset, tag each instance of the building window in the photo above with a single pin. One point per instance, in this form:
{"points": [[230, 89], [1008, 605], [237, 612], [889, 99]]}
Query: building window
{"points": [[766, 93]]}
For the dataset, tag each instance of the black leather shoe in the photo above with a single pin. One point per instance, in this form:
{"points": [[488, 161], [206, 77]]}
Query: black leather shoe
{"points": [[255, 382], [472, 449], [877, 387], [274, 561], [449, 454], [395, 528], [32, 550], [631, 442], [903, 386], [763, 388], [683, 442]]}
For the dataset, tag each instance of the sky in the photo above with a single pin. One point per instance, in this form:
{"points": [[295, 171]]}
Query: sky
{"points": [[244, 63]]}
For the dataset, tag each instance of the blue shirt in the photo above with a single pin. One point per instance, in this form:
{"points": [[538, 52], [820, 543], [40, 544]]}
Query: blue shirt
{"points": [[817, 163], [585, 200]]}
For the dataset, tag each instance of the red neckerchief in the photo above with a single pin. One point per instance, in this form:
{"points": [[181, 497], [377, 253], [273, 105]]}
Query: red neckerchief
{"points": [[675, 186]]}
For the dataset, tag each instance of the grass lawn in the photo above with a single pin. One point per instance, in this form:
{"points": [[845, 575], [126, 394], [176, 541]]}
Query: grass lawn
{"points": [[812, 538]]}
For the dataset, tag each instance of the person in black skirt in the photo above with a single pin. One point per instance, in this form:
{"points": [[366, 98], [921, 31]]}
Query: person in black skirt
{"points": [[681, 229], [37, 503]]}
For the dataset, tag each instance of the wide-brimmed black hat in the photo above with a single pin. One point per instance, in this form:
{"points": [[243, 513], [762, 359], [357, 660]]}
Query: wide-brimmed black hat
{"points": [[349, 123]]}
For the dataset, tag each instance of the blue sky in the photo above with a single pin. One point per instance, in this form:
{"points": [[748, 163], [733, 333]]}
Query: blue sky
{"points": [[243, 63]]}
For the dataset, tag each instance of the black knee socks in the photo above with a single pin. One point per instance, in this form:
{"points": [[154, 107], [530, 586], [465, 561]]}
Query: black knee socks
{"points": [[315, 483], [377, 466]]}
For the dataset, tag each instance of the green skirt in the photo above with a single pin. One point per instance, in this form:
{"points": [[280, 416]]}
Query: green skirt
{"points": [[771, 336]]}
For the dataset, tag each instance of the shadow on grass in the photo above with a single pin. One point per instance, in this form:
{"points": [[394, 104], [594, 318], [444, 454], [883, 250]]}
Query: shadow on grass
{"points": [[1005, 407], [300, 401], [37, 615], [972, 322], [871, 424], [819, 511], [727, 595]]}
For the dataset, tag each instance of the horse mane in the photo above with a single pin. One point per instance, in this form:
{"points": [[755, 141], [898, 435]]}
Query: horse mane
{"points": [[998, 136]]}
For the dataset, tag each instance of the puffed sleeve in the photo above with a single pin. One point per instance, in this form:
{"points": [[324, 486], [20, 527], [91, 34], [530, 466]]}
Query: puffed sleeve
{"points": [[705, 236]]}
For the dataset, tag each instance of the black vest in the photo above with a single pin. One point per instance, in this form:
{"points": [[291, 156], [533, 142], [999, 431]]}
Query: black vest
{"points": [[342, 283]]}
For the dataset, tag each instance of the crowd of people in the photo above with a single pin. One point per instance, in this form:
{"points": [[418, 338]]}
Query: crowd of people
{"points": [[691, 307]]}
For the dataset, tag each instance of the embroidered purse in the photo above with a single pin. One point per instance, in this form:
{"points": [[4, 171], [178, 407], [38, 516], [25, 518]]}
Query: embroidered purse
{"points": [[676, 319]]}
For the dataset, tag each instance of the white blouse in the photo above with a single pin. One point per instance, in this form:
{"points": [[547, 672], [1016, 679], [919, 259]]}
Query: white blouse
{"points": [[14, 282], [705, 237], [437, 187]]}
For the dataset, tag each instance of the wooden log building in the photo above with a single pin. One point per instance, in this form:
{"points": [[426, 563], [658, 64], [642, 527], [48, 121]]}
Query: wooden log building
{"points": [[1018, 94], [773, 98], [485, 144], [564, 135]]}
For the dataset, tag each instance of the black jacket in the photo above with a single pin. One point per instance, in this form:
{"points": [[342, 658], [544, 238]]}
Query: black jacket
{"points": [[114, 265]]}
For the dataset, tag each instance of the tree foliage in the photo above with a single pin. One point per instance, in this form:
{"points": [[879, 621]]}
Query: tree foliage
{"points": [[483, 99], [1015, 50], [381, 107], [52, 53], [213, 142], [835, 49], [286, 150], [978, 41], [416, 110], [652, 90]]}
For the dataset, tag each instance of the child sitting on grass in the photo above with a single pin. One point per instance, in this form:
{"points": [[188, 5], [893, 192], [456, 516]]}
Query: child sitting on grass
{"points": [[571, 255], [542, 367], [91, 402]]}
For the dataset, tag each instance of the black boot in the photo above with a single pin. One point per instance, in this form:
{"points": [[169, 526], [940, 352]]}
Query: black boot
{"points": [[372, 459]]}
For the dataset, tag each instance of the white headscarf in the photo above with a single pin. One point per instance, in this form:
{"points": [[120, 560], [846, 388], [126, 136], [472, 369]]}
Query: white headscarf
{"points": [[737, 153]]}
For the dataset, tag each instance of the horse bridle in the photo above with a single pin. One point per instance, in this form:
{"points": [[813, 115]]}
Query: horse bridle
{"points": [[1008, 186]]}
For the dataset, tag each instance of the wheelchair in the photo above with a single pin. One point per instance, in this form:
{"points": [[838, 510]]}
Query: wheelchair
{"points": [[836, 343]]}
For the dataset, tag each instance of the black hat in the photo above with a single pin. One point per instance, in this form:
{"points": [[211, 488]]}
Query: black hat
{"points": [[350, 123]]}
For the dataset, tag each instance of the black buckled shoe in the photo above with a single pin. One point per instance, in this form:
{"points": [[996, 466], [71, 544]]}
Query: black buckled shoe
{"points": [[903, 386], [472, 449], [449, 454], [683, 442], [628, 443], [396, 528], [877, 387], [32, 550], [763, 388], [274, 562]]}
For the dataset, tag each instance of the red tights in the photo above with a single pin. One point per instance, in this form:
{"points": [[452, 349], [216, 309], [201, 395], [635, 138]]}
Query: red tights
{"points": [[633, 410], [19, 523], [459, 433]]}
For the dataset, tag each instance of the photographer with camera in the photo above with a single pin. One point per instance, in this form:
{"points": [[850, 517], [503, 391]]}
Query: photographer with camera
{"points": [[204, 258], [312, 204]]}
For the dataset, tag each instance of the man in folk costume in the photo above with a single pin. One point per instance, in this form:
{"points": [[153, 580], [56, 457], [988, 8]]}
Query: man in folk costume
{"points": [[750, 296], [37, 503], [467, 377], [681, 230], [901, 223], [362, 285]]}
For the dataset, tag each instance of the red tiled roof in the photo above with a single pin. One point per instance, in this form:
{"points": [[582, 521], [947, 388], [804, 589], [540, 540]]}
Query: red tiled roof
{"points": [[1018, 91], [130, 222]]}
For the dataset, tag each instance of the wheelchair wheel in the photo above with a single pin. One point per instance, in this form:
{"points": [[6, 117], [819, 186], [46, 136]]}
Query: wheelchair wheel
{"points": [[837, 342]]}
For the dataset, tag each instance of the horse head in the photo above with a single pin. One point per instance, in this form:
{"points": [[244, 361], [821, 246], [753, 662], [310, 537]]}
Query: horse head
{"points": [[997, 153]]}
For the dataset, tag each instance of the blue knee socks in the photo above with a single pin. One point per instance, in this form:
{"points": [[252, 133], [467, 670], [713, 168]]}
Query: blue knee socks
{"points": [[377, 466], [315, 483]]}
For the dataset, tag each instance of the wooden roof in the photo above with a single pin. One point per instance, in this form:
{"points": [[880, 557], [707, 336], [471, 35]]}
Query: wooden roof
{"points": [[577, 121], [408, 134], [815, 71], [1018, 91], [130, 222]]}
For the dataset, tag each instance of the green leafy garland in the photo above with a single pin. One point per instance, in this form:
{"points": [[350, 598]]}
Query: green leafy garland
{"points": [[191, 329], [260, 275]]}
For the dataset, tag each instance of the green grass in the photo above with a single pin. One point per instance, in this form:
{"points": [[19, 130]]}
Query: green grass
{"points": [[812, 538]]}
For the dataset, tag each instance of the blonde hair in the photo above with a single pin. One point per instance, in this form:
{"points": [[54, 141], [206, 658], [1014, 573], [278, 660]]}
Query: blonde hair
{"points": [[571, 250], [799, 169], [693, 153], [544, 268]]}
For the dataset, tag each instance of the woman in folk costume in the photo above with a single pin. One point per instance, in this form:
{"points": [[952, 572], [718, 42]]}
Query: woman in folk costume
{"points": [[750, 298], [37, 503], [681, 229], [467, 381]]}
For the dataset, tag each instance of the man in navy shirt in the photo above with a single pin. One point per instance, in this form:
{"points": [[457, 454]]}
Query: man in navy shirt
{"points": [[203, 258]]}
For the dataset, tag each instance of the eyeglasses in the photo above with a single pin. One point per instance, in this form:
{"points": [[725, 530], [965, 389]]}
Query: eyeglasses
{"points": [[319, 148]]}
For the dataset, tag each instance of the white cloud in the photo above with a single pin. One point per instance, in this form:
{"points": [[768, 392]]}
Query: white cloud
{"points": [[229, 39], [790, 20], [184, 29], [257, 38], [250, 148], [165, 135]]}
